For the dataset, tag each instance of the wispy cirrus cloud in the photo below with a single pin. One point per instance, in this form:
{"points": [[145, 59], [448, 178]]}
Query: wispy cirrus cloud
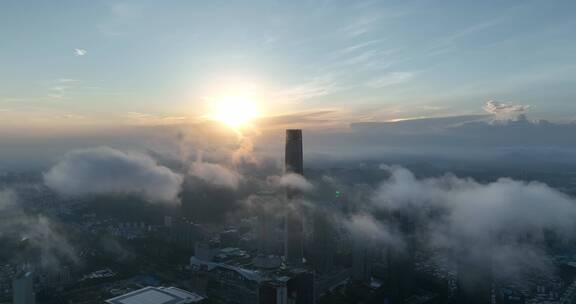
{"points": [[448, 43], [360, 26], [360, 48], [67, 80], [121, 16], [316, 87], [61, 87], [390, 79], [153, 119], [344, 68], [359, 57], [27, 115], [58, 92], [73, 116], [316, 118]]}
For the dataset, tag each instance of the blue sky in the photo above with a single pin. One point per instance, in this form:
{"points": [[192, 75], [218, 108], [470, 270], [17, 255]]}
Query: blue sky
{"points": [[110, 62]]}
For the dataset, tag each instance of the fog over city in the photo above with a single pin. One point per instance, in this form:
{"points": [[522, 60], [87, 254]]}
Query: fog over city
{"points": [[287, 152]]}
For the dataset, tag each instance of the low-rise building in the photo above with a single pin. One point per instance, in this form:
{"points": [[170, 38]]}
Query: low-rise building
{"points": [[157, 295]]}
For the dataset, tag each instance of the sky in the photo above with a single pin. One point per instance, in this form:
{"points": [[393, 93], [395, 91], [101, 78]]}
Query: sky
{"points": [[78, 63]]}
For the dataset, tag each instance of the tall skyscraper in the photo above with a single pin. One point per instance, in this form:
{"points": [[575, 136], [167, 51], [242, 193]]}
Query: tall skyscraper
{"points": [[265, 230], [323, 247], [23, 288], [401, 261], [294, 156], [361, 260], [294, 225], [474, 273], [267, 223]]}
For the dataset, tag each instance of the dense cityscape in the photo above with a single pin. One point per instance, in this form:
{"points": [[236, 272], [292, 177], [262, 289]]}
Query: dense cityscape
{"points": [[288, 245]]}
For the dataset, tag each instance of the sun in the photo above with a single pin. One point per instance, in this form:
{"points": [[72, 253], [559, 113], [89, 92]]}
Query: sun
{"points": [[235, 111]]}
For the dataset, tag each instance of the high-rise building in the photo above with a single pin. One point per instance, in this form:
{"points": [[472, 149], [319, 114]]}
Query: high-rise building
{"points": [[265, 230], [184, 233], [361, 260], [23, 289], [474, 273], [266, 224], [273, 292], [401, 261], [294, 224], [400, 274], [229, 238], [323, 243], [294, 155], [301, 287]]}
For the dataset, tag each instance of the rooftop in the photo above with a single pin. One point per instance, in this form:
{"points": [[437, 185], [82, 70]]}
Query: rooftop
{"points": [[252, 275], [156, 295]]}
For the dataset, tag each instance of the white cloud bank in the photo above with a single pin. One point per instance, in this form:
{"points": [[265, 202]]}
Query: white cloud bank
{"points": [[216, 175], [296, 182], [104, 170], [508, 219]]}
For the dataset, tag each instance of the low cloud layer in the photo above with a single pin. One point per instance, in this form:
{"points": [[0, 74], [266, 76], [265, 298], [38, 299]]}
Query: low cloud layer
{"points": [[7, 199], [105, 170], [216, 175], [509, 220], [34, 232], [363, 226], [295, 181]]}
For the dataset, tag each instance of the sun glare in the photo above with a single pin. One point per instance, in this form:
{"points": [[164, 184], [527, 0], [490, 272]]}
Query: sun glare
{"points": [[235, 112]]}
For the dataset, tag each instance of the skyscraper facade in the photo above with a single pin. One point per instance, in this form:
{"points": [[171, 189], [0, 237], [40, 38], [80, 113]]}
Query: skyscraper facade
{"points": [[474, 266], [401, 261], [23, 288], [322, 247], [361, 260], [265, 230], [294, 225]]}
